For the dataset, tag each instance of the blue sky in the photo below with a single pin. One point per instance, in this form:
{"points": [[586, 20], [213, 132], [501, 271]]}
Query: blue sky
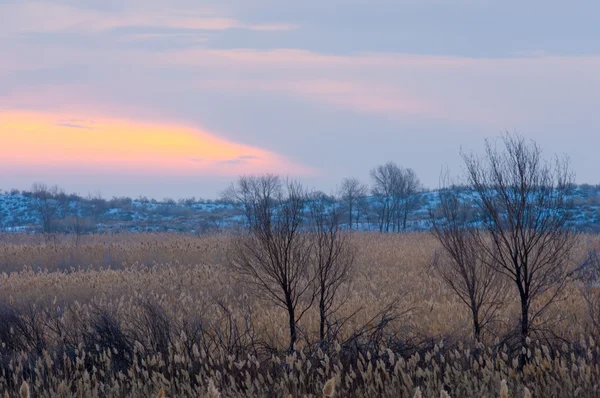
{"points": [[317, 90]]}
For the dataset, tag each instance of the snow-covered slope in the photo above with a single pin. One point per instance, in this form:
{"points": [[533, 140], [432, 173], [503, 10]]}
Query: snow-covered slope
{"points": [[20, 212]]}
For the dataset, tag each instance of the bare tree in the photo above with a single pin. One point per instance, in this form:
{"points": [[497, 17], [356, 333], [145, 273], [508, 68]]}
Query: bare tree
{"points": [[63, 202], [385, 179], [333, 257], [250, 190], [47, 204], [477, 285], [274, 255], [524, 213], [97, 204], [362, 211], [352, 192], [394, 189], [77, 223], [408, 187]]}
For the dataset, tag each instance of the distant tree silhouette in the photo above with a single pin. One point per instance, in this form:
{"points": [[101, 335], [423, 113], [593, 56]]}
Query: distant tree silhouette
{"points": [[47, 204], [352, 192], [394, 190]]}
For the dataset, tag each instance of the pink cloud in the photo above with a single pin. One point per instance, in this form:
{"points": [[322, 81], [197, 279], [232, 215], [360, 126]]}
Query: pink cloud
{"points": [[301, 59], [484, 91], [48, 17], [361, 96], [294, 58], [489, 92]]}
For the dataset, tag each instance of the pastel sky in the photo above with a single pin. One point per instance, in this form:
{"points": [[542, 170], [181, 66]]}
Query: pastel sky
{"points": [[174, 99]]}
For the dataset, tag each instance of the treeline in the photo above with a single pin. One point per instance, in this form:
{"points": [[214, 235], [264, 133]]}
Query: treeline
{"points": [[52, 210]]}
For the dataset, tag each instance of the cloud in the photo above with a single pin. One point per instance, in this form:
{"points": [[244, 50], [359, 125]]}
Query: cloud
{"points": [[489, 92], [244, 159], [74, 126], [33, 140], [362, 97], [190, 37], [22, 17], [280, 27], [497, 92]]}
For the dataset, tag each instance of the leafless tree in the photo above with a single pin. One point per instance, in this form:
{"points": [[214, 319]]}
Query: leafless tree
{"points": [[524, 213], [46, 204], [63, 203], [352, 192], [78, 224], [385, 179], [407, 188], [274, 255], [333, 257], [477, 285], [394, 189], [97, 205], [248, 191]]}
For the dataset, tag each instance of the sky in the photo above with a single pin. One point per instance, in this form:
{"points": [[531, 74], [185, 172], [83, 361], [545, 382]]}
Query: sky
{"points": [[175, 99]]}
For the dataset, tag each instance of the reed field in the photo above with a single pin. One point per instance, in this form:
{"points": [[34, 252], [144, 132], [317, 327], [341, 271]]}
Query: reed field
{"points": [[148, 315]]}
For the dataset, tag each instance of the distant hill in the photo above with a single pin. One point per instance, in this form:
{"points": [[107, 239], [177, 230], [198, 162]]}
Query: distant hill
{"points": [[22, 212]]}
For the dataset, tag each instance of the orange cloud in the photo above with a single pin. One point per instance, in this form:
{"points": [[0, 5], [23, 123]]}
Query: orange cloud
{"points": [[36, 140]]}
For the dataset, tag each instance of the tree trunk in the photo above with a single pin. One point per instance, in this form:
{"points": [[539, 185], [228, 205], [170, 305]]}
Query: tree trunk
{"points": [[523, 359], [475, 315], [323, 315], [476, 325], [388, 218], [350, 215], [292, 322], [524, 320]]}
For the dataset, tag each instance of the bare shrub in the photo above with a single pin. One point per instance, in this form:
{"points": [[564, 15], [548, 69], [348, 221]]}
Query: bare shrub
{"points": [[105, 335], [12, 331], [153, 328]]}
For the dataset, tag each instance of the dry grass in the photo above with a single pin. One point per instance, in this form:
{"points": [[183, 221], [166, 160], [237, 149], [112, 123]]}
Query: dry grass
{"points": [[133, 315]]}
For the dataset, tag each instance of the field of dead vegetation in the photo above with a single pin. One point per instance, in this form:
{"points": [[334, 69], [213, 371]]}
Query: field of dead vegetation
{"points": [[138, 315]]}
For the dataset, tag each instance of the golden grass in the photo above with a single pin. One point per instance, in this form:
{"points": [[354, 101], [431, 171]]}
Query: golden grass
{"points": [[60, 287]]}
